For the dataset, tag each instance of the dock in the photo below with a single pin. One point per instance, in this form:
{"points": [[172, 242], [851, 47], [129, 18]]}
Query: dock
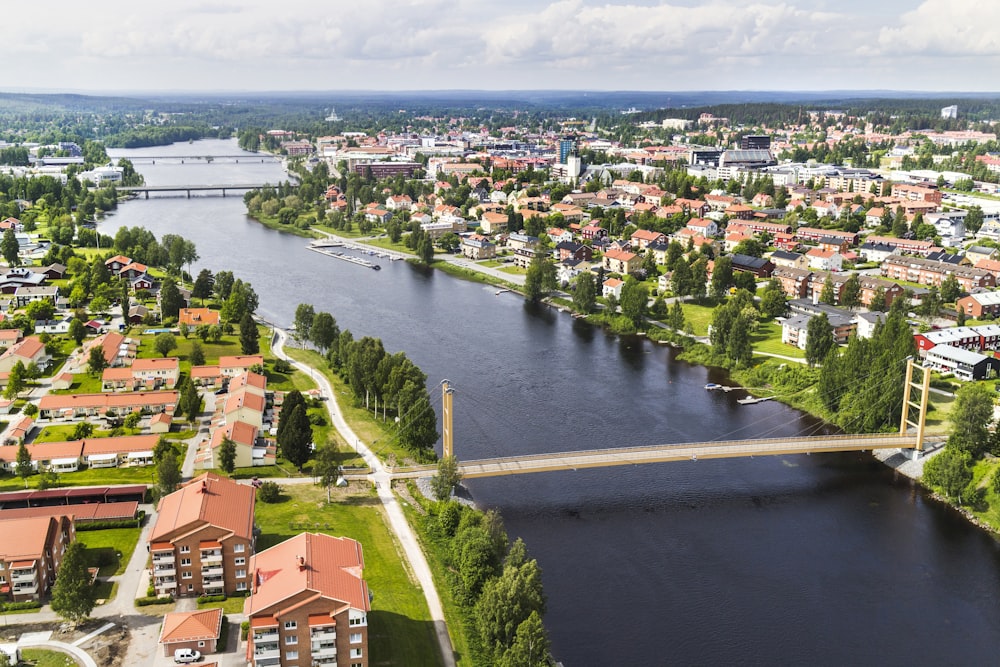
{"points": [[346, 258], [751, 400], [381, 253]]}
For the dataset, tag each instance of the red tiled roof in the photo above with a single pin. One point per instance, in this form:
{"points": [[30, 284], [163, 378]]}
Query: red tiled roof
{"points": [[188, 626], [223, 503]]}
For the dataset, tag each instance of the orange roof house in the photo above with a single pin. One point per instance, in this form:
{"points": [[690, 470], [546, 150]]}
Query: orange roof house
{"points": [[195, 317], [196, 630]]}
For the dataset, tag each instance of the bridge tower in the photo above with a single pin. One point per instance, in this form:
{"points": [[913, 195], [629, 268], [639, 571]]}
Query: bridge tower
{"points": [[447, 440], [923, 387]]}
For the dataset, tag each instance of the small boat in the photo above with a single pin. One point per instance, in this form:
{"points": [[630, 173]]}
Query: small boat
{"points": [[713, 386], [376, 267]]}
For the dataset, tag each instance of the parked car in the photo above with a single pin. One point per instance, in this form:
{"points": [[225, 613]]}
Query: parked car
{"points": [[186, 655]]}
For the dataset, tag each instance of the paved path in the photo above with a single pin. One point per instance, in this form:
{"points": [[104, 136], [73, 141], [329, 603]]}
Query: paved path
{"points": [[397, 521]]}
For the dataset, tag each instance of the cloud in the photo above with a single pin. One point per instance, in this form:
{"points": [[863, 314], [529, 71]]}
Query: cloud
{"points": [[945, 28]]}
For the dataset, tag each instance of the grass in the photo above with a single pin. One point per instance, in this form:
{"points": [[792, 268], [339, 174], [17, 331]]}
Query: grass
{"points": [[64, 432], [400, 629], [103, 547], [233, 605], [767, 338], [514, 270], [83, 383], [11, 612], [698, 316], [41, 657], [88, 477]]}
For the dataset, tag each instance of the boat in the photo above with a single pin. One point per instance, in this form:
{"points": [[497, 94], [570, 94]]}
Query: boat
{"points": [[713, 386], [751, 401], [376, 267]]}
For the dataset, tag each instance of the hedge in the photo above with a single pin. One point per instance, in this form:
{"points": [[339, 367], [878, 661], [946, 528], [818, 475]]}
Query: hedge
{"points": [[244, 629], [145, 602], [104, 525], [14, 606], [211, 598]]}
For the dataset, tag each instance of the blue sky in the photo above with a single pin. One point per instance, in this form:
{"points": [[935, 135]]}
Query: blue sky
{"points": [[227, 45]]}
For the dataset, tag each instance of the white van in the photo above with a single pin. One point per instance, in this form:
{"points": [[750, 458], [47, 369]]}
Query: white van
{"points": [[186, 655]]}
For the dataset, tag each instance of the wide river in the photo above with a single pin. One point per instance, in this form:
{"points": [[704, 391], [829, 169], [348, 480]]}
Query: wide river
{"points": [[828, 560]]}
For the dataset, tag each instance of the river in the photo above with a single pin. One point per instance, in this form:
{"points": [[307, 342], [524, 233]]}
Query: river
{"points": [[826, 560]]}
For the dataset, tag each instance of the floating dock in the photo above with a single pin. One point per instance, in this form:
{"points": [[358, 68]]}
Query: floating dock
{"points": [[346, 258]]}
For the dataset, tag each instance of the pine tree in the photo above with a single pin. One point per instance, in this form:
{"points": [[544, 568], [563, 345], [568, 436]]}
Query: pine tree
{"points": [[23, 467], [850, 296], [295, 437], [819, 339], [72, 594], [249, 336]]}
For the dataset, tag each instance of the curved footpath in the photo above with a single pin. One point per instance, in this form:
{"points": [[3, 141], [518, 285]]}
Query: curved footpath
{"points": [[397, 521]]}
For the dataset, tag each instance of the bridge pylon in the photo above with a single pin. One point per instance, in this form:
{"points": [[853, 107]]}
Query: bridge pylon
{"points": [[447, 439], [923, 387]]}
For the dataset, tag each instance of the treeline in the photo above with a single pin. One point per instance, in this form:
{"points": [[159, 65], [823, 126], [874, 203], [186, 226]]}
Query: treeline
{"points": [[497, 587], [161, 135], [379, 381]]}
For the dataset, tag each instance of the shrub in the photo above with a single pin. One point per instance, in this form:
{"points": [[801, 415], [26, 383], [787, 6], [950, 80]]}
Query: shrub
{"points": [[282, 366], [146, 601], [244, 630], [204, 599], [15, 606], [103, 525], [269, 492], [30, 409]]}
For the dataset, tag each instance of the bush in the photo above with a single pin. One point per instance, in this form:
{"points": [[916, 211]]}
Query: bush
{"points": [[103, 525], [15, 606], [244, 630], [30, 409], [269, 492], [282, 366], [211, 598], [146, 601]]}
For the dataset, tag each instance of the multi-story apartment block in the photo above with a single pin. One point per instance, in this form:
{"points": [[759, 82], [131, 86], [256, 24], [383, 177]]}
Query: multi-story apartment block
{"points": [[929, 272], [309, 605], [203, 538], [30, 553]]}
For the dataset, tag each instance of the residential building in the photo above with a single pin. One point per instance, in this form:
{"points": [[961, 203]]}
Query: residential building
{"points": [[30, 554], [612, 287], [760, 267], [980, 303], [963, 364], [196, 317], [30, 350], [621, 261], [477, 247], [143, 374], [111, 405], [928, 272], [309, 604], [791, 260], [794, 282], [825, 260], [977, 338], [195, 630], [203, 538]]}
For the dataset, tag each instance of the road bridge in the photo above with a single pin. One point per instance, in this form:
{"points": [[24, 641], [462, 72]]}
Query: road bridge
{"points": [[151, 159], [188, 189]]}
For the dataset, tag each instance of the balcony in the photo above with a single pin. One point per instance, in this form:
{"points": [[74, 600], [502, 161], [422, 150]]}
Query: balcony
{"points": [[211, 556], [325, 662], [324, 650], [266, 652], [164, 571], [25, 589], [321, 634], [22, 576], [211, 571], [266, 662], [167, 585], [166, 557], [271, 636]]}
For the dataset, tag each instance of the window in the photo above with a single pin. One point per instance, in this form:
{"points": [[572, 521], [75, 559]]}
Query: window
{"points": [[291, 639], [357, 664], [241, 585], [291, 625], [186, 575], [291, 655], [201, 644], [238, 548], [355, 653], [185, 561], [241, 574], [355, 637], [185, 550], [190, 587], [360, 620], [240, 561]]}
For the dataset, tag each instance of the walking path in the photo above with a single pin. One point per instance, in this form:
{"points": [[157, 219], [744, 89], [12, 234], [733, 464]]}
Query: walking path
{"points": [[397, 521]]}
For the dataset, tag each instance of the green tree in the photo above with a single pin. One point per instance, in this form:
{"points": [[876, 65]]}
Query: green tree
{"points": [[534, 288], [970, 418], [82, 430], [425, 250], [249, 336], [675, 318], [722, 277], [197, 356], [326, 467], [819, 339], [324, 331], [531, 645], [227, 456], [168, 473], [850, 295], [164, 343], [294, 439], [96, 363], [77, 331], [24, 467], [10, 248], [72, 594], [772, 300], [879, 298], [506, 602], [950, 289], [190, 401], [447, 478], [171, 300], [699, 278], [203, 286], [269, 492], [899, 224], [974, 219], [418, 424], [680, 279], [16, 382], [304, 314], [828, 294], [950, 471], [635, 298], [585, 294]]}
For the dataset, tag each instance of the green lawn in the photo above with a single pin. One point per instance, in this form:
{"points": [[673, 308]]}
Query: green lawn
{"points": [[768, 339], [83, 383], [514, 270], [104, 545], [63, 432], [89, 477], [399, 626], [698, 317], [232, 605], [40, 657]]}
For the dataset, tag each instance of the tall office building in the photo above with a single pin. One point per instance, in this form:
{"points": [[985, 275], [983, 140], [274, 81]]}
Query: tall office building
{"points": [[567, 146]]}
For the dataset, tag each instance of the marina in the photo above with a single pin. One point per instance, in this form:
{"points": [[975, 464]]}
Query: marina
{"points": [[347, 258]]}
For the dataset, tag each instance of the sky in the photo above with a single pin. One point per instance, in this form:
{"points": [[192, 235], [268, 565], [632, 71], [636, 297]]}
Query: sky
{"points": [[328, 45]]}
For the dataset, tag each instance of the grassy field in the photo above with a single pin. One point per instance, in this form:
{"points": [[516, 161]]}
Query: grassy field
{"points": [[83, 383], [698, 317], [40, 657], [103, 547], [767, 338], [63, 432], [400, 629], [94, 477], [232, 605]]}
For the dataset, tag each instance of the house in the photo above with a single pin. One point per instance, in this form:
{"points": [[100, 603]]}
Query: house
{"points": [[245, 437], [144, 374], [477, 247], [963, 364], [195, 630], [570, 250], [794, 330], [977, 252], [117, 350], [612, 287], [621, 261], [245, 406], [762, 268], [26, 294], [239, 364], [493, 223], [52, 406], [195, 317], [58, 456], [927, 272], [53, 271], [117, 263], [790, 260], [977, 338], [876, 252], [203, 538], [30, 350], [8, 337], [703, 226], [559, 235], [825, 260], [30, 554], [815, 234], [980, 303], [308, 592], [128, 450], [643, 238]]}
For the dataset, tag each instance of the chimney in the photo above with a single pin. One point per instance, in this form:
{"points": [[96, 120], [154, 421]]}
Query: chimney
{"points": [[204, 486]]}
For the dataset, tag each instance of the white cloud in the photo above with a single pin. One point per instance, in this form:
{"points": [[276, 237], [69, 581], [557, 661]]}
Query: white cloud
{"points": [[947, 28]]}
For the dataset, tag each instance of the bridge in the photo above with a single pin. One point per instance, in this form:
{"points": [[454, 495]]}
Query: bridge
{"points": [[151, 159], [910, 436], [146, 189]]}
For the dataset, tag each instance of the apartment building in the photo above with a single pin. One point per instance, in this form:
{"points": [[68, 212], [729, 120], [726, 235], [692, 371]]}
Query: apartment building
{"points": [[929, 272], [30, 553], [309, 604], [203, 538]]}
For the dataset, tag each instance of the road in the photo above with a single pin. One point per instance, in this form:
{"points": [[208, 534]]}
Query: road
{"points": [[383, 485]]}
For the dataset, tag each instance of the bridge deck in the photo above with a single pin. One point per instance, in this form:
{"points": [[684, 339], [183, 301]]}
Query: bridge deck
{"points": [[199, 186], [602, 458]]}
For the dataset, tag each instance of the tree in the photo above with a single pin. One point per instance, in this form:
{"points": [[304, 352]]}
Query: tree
{"points": [[326, 467], [634, 300], [425, 250], [227, 456], [10, 248], [447, 478], [819, 339], [72, 594], [699, 278], [23, 467], [899, 225], [295, 437], [951, 471], [879, 298], [16, 382], [249, 336], [168, 473], [77, 331], [585, 294], [197, 356], [950, 289], [506, 602], [304, 315], [164, 343], [534, 288], [828, 294], [96, 363], [974, 219], [269, 492], [190, 401], [722, 277], [324, 331], [203, 286], [772, 300], [970, 417], [850, 295], [224, 281], [171, 300], [744, 280], [418, 425], [530, 647], [100, 304], [680, 279]]}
